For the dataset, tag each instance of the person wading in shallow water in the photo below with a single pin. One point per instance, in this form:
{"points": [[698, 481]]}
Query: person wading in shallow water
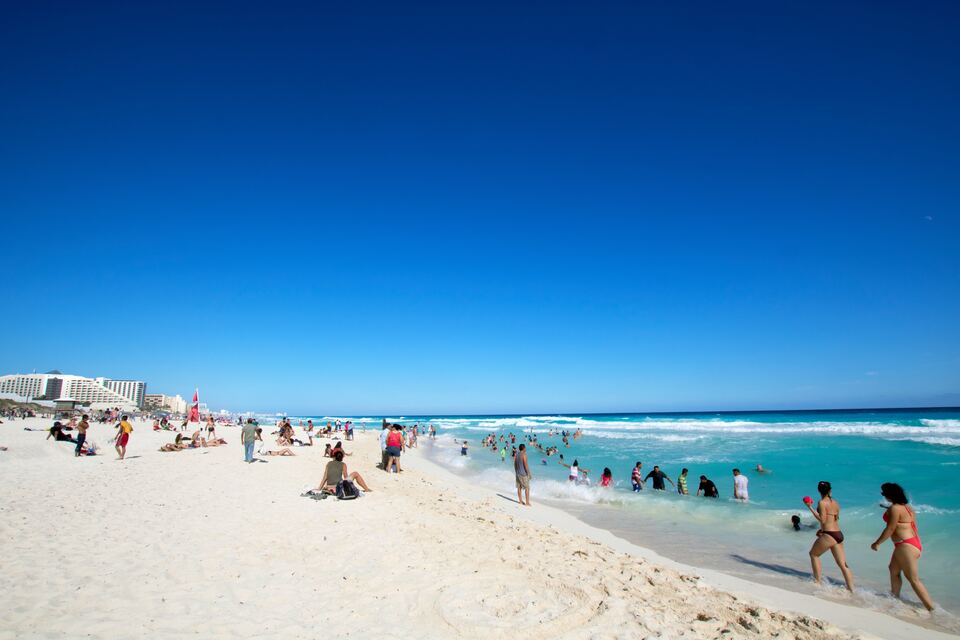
{"points": [[658, 478], [829, 537], [902, 529]]}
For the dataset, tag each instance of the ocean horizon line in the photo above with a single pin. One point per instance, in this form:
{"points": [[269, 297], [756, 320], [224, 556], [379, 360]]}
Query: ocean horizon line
{"points": [[404, 414]]}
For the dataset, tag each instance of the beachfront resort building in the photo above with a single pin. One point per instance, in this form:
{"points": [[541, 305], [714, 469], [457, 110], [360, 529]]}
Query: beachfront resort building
{"points": [[161, 402], [56, 386], [132, 390]]}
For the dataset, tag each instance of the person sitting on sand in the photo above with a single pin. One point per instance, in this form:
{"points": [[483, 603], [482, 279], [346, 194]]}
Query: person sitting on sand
{"points": [[338, 446], [56, 432], [327, 451], [176, 445], [336, 471]]}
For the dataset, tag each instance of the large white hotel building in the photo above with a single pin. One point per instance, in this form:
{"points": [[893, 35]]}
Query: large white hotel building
{"points": [[99, 392]]}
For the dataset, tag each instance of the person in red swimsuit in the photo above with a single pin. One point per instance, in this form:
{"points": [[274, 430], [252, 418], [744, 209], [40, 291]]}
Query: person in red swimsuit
{"points": [[902, 529]]}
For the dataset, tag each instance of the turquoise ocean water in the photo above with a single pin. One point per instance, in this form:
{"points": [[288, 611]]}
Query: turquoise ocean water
{"points": [[855, 450]]}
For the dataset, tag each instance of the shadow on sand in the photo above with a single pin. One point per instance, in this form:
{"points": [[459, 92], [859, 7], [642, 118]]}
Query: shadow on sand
{"points": [[784, 570]]}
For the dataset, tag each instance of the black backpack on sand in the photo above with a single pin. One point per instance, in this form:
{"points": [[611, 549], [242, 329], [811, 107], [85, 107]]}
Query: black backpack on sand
{"points": [[346, 490]]}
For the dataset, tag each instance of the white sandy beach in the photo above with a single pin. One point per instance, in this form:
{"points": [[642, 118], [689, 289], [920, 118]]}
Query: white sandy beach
{"points": [[198, 543]]}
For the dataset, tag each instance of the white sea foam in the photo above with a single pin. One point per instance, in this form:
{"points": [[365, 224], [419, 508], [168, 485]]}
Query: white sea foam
{"points": [[928, 508], [664, 437], [947, 442], [955, 424], [602, 428]]}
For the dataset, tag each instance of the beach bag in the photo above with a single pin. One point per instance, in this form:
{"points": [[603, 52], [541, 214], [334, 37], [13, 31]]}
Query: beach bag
{"points": [[346, 490]]}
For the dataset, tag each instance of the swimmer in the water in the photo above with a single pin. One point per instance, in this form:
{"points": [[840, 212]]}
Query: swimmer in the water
{"points": [[606, 479], [575, 470], [760, 469]]}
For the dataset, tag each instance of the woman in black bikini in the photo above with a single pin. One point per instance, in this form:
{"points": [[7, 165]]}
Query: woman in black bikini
{"points": [[829, 536]]}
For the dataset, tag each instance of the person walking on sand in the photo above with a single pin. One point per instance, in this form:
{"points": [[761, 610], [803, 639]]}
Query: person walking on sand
{"points": [[740, 483], [902, 529], [248, 437], [522, 470], [829, 537], [124, 429], [82, 427]]}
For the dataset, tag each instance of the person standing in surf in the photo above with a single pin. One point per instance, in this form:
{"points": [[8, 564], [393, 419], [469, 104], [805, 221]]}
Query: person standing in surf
{"points": [[829, 537], [574, 473], [658, 478], [902, 529], [682, 483], [740, 483]]}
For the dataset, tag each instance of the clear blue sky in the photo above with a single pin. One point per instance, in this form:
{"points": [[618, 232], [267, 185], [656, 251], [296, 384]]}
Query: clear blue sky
{"points": [[355, 208]]}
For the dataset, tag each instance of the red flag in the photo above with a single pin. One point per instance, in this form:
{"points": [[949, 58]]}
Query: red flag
{"points": [[195, 407]]}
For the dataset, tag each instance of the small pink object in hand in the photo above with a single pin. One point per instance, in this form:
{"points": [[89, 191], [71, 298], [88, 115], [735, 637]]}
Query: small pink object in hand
{"points": [[807, 500]]}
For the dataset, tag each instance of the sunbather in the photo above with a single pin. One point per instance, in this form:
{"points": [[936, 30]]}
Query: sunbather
{"points": [[336, 471]]}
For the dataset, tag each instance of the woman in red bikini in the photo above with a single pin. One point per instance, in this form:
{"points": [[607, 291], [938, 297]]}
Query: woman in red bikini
{"points": [[902, 529], [829, 536]]}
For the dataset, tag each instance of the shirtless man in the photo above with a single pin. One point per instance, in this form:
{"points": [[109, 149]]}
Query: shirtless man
{"points": [[82, 427]]}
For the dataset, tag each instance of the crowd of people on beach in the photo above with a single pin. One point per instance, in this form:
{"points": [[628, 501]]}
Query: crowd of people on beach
{"points": [[395, 439]]}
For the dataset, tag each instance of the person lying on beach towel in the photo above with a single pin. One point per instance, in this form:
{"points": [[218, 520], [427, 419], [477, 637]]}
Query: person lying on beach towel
{"points": [[336, 471], [286, 451]]}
